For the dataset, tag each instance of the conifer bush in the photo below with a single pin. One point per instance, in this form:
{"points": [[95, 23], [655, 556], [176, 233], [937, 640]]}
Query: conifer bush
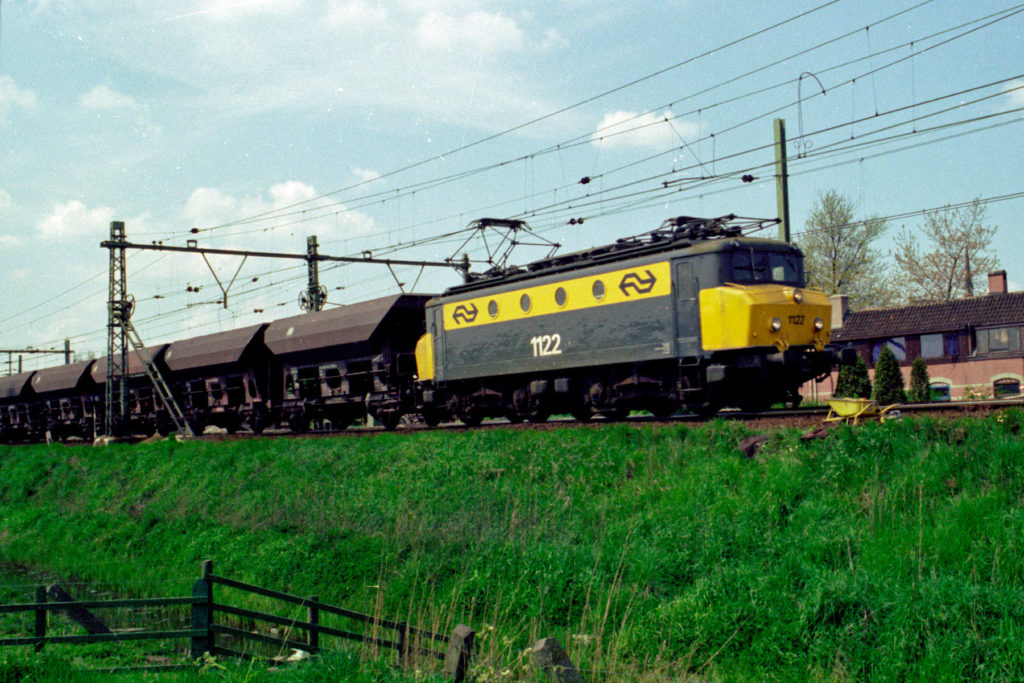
{"points": [[854, 381], [888, 379], [919, 381]]}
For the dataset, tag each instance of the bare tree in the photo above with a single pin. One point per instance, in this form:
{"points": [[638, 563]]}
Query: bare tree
{"points": [[840, 253], [956, 257]]}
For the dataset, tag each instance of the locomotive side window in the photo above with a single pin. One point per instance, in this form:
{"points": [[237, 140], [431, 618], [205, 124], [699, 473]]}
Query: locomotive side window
{"points": [[598, 290], [524, 303], [560, 297], [492, 309]]}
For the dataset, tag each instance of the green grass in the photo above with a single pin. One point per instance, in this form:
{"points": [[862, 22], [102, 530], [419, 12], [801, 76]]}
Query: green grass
{"points": [[885, 552]]}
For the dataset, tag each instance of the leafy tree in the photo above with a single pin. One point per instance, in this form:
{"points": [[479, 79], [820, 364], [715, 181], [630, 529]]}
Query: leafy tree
{"points": [[840, 254], [854, 381], [958, 242], [888, 379], [920, 392]]}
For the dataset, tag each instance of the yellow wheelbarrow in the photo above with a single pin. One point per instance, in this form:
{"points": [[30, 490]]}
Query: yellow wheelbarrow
{"points": [[853, 410]]}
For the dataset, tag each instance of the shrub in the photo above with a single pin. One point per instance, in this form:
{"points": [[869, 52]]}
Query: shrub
{"points": [[919, 381], [888, 379], [854, 381]]}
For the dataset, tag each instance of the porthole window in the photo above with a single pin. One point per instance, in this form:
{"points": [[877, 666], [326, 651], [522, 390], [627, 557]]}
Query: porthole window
{"points": [[492, 309], [598, 290], [524, 303], [561, 297]]}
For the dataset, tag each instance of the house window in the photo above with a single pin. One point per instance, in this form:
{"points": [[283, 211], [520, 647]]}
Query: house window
{"points": [[998, 340], [1007, 386], [931, 346], [939, 391], [898, 346], [951, 343], [939, 345]]}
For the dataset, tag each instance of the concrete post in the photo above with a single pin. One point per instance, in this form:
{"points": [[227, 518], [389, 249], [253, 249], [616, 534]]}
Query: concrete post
{"points": [[460, 648], [551, 658]]}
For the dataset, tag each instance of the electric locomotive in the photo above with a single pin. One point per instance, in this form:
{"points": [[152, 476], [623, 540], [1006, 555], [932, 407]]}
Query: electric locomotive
{"points": [[691, 315]]}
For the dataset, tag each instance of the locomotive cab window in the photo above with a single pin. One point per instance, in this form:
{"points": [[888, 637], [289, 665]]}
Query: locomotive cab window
{"points": [[777, 267]]}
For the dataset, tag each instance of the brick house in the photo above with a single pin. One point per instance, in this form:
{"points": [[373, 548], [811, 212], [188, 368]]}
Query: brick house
{"points": [[973, 346]]}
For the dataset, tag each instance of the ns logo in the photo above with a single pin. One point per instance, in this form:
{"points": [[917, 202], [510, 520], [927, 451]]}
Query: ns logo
{"points": [[465, 314]]}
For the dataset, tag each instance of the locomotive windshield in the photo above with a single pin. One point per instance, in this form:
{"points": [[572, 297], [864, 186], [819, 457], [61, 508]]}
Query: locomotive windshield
{"points": [[781, 267]]}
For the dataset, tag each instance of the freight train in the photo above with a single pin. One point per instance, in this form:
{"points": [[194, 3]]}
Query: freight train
{"points": [[690, 316]]}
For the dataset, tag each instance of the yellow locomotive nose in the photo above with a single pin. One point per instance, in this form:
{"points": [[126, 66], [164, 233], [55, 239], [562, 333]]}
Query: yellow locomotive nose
{"points": [[739, 316]]}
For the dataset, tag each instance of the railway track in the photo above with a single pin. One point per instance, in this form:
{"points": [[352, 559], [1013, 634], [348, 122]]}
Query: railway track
{"points": [[799, 417]]}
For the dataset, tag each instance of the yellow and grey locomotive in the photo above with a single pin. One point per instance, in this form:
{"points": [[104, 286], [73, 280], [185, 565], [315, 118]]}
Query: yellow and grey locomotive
{"points": [[692, 315]]}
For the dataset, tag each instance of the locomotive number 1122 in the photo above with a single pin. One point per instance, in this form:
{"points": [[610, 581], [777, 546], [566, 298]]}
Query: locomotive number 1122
{"points": [[547, 345]]}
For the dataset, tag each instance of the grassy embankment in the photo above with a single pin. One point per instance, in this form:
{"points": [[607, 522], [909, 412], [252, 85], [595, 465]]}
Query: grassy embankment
{"points": [[884, 552]]}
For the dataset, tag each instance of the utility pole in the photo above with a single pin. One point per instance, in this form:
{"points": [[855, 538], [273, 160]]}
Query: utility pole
{"points": [[781, 179]]}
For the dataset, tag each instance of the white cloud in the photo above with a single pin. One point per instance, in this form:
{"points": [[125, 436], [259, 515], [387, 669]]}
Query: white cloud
{"points": [[1014, 94], [5, 199], [226, 10], [355, 14], [291, 192], [11, 96], [208, 206], [365, 175], [10, 242], [477, 33], [102, 97], [629, 130], [73, 220]]}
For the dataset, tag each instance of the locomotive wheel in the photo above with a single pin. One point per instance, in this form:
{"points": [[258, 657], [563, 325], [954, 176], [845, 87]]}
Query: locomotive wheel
{"points": [[431, 416], [470, 417], [756, 404], [526, 406]]}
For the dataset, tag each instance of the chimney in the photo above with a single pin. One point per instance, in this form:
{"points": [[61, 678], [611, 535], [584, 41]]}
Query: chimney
{"points": [[997, 282], [840, 307]]}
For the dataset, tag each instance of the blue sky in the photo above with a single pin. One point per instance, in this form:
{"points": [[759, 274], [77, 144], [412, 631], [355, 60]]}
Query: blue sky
{"points": [[380, 124]]}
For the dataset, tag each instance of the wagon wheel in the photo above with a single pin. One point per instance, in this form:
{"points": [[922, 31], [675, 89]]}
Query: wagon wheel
{"points": [[298, 422], [258, 418], [662, 408], [582, 413], [388, 419], [616, 414]]}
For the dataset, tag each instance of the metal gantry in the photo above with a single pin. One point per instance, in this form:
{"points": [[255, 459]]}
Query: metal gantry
{"points": [[10, 355], [121, 305], [121, 332]]}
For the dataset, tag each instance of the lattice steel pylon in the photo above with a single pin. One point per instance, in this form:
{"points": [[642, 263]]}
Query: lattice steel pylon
{"points": [[121, 332], [118, 305]]}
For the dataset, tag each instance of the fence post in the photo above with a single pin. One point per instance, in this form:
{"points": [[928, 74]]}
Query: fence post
{"points": [[403, 643], [40, 629], [460, 647], [313, 617], [202, 613]]}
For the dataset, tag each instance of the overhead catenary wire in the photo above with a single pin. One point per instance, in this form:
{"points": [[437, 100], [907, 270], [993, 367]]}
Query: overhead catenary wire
{"points": [[609, 207], [983, 22]]}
